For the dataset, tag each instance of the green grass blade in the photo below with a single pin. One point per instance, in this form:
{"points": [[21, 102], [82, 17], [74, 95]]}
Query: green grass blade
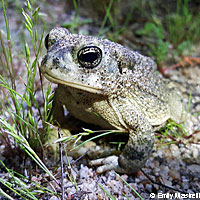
{"points": [[5, 194], [6, 184], [26, 147], [6, 20], [97, 136], [130, 186], [108, 194], [106, 17]]}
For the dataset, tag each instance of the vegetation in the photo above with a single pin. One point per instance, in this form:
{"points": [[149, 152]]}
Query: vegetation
{"points": [[25, 115], [23, 119], [177, 29]]}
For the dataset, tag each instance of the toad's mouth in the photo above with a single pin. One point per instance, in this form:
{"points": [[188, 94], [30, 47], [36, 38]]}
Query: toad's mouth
{"points": [[79, 86]]}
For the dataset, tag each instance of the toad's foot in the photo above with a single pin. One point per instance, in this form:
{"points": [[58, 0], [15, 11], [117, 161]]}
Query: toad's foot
{"points": [[109, 163]]}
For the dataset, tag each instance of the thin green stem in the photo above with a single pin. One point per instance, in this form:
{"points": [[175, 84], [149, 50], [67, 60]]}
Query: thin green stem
{"points": [[11, 67], [106, 16]]}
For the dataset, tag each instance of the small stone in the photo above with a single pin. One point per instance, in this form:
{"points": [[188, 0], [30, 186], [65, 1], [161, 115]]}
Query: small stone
{"points": [[174, 174], [84, 172], [53, 198], [148, 187], [166, 181], [185, 186], [137, 180], [125, 177], [194, 168], [175, 151], [174, 165], [195, 153], [89, 144]]}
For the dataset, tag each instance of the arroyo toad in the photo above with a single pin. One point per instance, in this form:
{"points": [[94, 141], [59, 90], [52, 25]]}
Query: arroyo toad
{"points": [[103, 83]]}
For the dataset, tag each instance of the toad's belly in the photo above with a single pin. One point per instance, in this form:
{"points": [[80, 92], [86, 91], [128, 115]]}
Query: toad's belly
{"points": [[89, 108]]}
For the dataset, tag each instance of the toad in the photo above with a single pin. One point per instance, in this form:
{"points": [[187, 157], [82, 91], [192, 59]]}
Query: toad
{"points": [[103, 83]]}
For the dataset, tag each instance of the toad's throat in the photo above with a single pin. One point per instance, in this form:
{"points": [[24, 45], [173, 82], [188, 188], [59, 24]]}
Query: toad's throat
{"points": [[73, 85]]}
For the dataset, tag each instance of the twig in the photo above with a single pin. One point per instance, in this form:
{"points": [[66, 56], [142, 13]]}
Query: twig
{"points": [[162, 185], [75, 161], [61, 165]]}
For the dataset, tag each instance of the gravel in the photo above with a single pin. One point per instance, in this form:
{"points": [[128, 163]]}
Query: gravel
{"points": [[175, 165]]}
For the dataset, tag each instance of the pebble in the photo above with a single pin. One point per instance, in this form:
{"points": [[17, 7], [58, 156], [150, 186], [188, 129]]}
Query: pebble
{"points": [[148, 187], [194, 168], [175, 174], [53, 198], [84, 172], [195, 152], [175, 150]]}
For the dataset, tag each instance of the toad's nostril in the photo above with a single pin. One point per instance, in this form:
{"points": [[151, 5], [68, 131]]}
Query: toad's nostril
{"points": [[56, 61]]}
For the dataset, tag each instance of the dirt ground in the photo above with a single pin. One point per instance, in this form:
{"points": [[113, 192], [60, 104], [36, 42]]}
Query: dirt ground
{"points": [[176, 165]]}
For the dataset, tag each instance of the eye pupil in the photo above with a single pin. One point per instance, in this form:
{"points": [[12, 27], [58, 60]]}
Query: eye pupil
{"points": [[90, 56]]}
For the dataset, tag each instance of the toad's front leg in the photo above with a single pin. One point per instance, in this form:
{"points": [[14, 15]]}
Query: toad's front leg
{"points": [[137, 150], [57, 108]]}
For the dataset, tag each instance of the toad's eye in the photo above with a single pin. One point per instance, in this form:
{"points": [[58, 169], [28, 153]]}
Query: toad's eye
{"points": [[90, 56]]}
